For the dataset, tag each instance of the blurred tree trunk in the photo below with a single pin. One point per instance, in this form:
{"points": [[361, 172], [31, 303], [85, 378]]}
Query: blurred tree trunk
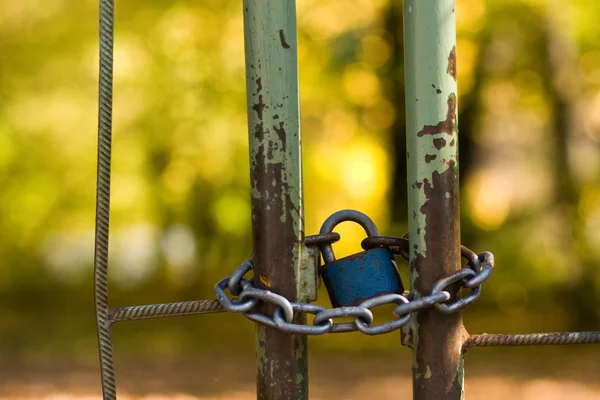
{"points": [[469, 111], [393, 81], [561, 77]]}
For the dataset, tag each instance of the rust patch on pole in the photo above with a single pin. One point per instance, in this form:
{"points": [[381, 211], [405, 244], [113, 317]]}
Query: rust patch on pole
{"points": [[434, 225], [439, 335], [430, 157], [446, 126], [282, 39], [276, 183], [452, 63], [439, 143]]}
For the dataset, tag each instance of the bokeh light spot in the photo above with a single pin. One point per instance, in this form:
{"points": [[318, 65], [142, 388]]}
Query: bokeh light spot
{"points": [[489, 196], [232, 213]]}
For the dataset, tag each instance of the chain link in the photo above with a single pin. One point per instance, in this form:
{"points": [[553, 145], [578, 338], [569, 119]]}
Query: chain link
{"points": [[234, 305], [458, 304], [476, 271], [358, 313], [421, 303], [387, 326], [234, 281], [298, 329], [486, 260]]}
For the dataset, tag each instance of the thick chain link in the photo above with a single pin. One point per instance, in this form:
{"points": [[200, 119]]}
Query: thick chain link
{"points": [[476, 271]]}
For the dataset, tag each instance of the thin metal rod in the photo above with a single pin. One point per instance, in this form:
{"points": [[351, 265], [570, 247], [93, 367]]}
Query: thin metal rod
{"points": [[532, 339], [434, 225], [275, 173], [164, 310], [103, 199]]}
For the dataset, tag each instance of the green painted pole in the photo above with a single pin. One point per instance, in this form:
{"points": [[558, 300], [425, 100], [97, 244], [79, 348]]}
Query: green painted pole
{"points": [[276, 179], [433, 201]]}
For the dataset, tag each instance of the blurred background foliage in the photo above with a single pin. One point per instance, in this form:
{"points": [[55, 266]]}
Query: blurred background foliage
{"points": [[529, 119]]}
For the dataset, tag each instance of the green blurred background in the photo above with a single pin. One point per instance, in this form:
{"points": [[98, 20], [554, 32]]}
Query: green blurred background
{"points": [[529, 120]]}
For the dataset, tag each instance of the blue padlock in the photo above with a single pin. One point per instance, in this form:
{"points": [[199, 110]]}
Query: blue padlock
{"points": [[356, 278]]}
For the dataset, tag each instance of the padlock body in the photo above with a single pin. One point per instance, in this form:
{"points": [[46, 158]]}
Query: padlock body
{"points": [[356, 278]]}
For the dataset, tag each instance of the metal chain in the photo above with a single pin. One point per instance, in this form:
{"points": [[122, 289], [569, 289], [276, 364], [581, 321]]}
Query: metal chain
{"points": [[476, 271]]}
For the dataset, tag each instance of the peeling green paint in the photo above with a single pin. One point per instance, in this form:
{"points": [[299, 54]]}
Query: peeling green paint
{"points": [[411, 330], [460, 376], [429, 158], [433, 191], [300, 350], [271, 57], [273, 106], [427, 373], [261, 357], [307, 277]]}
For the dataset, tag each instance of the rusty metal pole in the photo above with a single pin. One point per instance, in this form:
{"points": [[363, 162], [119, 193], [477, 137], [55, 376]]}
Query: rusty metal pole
{"points": [[276, 179], [433, 201]]}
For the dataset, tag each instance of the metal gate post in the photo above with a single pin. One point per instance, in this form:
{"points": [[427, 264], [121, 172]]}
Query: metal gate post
{"points": [[433, 202], [276, 178]]}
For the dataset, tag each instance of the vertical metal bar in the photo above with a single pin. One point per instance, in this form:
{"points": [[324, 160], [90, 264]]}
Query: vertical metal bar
{"points": [[103, 323], [434, 224], [275, 172]]}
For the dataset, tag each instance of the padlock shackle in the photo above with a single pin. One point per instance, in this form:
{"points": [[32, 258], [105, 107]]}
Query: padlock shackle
{"points": [[343, 216]]}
